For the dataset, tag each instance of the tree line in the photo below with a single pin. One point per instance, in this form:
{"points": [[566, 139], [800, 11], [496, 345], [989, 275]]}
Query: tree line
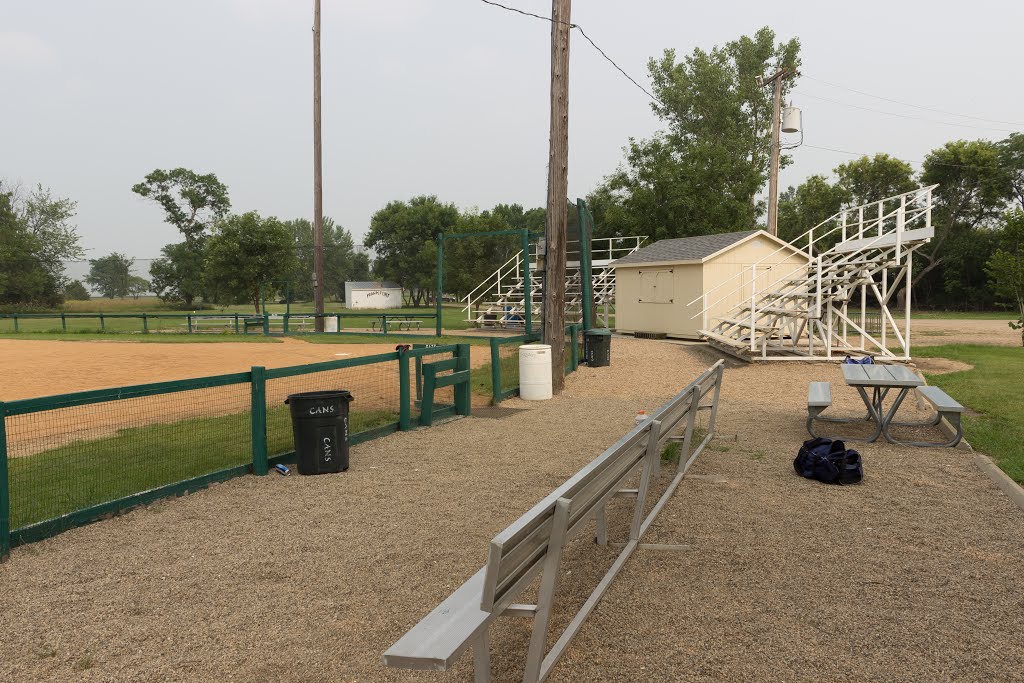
{"points": [[704, 171]]}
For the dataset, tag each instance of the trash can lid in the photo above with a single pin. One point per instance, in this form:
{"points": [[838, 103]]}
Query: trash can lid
{"points": [[598, 332], [319, 396]]}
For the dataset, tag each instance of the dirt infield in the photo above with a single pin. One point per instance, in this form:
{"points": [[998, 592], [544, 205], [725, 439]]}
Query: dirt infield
{"points": [[44, 368], [912, 575]]}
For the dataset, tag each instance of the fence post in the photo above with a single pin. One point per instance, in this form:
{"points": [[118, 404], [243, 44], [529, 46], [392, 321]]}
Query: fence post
{"points": [[463, 400], [285, 322], [63, 322], [103, 324], [495, 370], [236, 323], [259, 421], [145, 323], [384, 322], [5, 489], [15, 322], [266, 323], [189, 321], [338, 316], [574, 353], [404, 408]]}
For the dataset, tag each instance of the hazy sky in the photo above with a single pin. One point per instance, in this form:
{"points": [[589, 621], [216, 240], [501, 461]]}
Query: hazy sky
{"points": [[448, 97]]}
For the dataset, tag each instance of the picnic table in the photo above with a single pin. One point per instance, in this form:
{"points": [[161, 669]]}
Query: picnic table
{"points": [[880, 380]]}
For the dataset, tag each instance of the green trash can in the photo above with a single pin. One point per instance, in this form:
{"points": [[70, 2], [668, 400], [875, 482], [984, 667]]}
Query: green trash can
{"points": [[597, 348]]}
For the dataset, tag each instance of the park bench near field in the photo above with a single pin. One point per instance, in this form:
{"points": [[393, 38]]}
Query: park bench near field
{"points": [[532, 546], [392, 323]]}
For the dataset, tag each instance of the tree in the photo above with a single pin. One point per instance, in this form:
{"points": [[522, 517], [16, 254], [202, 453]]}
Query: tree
{"points": [[869, 179], [812, 202], [702, 174], [111, 274], [1006, 267], [178, 275], [244, 252], [974, 187], [137, 286], [191, 202], [403, 234], [341, 261], [76, 291], [1011, 156], [24, 278], [49, 220]]}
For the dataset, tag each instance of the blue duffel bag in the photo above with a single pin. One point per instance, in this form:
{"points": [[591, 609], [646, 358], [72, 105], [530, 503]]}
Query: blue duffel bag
{"points": [[829, 461]]}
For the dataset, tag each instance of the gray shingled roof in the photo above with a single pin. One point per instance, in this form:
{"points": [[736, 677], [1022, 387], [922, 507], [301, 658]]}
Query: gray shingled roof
{"points": [[684, 248]]}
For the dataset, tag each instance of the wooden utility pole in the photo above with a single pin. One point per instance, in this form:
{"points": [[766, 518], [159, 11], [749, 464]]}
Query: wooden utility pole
{"points": [[773, 178], [556, 225], [318, 189]]}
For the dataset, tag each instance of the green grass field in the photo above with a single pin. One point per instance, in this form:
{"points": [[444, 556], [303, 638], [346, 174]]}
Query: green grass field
{"points": [[994, 390], [86, 473]]}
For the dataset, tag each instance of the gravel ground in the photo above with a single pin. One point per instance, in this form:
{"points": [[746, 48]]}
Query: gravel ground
{"points": [[964, 331], [912, 575]]}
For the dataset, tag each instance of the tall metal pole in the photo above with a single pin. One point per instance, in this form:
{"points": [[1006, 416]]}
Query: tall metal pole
{"points": [[773, 179], [318, 193], [558, 189]]}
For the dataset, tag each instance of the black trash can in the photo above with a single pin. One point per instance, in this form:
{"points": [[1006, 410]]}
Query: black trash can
{"points": [[320, 430], [597, 348]]}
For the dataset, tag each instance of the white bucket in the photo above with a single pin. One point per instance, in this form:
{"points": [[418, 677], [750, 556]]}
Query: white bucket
{"points": [[535, 372], [330, 324]]}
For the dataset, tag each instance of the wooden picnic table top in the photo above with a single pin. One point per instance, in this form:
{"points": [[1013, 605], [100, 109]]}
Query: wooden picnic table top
{"points": [[880, 376]]}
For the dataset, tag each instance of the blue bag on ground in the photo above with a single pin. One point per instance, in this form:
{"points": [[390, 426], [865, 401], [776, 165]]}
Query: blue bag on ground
{"points": [[829, 461], [866, 360]]}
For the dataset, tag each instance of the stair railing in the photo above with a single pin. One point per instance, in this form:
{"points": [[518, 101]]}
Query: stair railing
{"points": [[899, 214]]}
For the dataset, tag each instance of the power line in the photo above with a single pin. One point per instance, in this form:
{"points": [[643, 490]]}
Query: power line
{"points": [[906, 161], [585, 36], [902, 116], [915, 106]]}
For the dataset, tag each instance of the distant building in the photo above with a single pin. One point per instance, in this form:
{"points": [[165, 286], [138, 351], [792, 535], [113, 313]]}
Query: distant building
{"points": [[373, 295]]}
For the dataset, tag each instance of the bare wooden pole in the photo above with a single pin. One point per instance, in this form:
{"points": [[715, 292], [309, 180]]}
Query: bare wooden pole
{"points": [[556, 225], [318, 190]]}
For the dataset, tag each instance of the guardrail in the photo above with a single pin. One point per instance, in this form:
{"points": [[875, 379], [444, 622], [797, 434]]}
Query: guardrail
{"points": [[71, 459]]}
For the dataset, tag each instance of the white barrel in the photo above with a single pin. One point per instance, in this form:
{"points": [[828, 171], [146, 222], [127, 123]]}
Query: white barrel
{"points": [[330, 324], [535, 372]]}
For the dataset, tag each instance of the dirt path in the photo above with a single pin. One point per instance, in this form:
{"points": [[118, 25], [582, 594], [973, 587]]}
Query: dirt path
{"points": [[958, 331], [913, 575]]}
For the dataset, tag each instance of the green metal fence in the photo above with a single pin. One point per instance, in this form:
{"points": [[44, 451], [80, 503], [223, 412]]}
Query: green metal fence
{"points": [[505, 360], [205, 323], [71, 459]]}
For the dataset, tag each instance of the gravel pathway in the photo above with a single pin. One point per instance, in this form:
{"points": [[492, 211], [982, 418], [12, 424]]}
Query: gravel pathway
{"points": [[913, 575]]}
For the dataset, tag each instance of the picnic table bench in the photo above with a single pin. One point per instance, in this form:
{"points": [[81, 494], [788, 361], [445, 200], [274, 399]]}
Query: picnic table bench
{"points": [[881, 379], [532, 546], [384, 321]]}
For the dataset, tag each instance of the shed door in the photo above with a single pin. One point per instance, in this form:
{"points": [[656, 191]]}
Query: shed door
{"points": [[657, 286]]}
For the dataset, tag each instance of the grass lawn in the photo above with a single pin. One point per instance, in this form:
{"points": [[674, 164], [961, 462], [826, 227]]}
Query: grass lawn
{"points": [[128, 337], [86, 473], [994, 389]]}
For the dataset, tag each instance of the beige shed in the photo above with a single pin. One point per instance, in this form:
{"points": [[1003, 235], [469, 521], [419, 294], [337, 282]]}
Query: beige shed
{"points": [[655, 285]]}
